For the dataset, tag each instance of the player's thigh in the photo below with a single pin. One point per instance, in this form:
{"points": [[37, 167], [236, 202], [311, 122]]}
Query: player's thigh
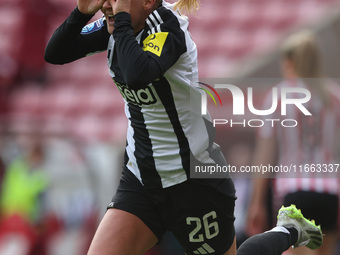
{"points": [[203, 219], [121, 232], [232, 249]]}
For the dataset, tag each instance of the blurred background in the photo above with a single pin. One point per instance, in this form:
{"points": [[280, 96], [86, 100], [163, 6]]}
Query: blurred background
{"points": [[62, 128]]}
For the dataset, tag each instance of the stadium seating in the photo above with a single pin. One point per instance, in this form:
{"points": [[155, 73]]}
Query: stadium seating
{"points": [[81, 97]]}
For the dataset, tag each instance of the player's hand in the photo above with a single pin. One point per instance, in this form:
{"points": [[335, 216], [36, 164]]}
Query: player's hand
{"points": [[121, 5], [90, 7]]}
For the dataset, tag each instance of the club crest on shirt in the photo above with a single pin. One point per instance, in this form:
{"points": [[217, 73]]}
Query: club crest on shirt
{"points": [[154, 43], [92, 27]]}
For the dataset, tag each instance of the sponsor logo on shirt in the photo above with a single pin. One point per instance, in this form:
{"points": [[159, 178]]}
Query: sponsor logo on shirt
{"points": [[143, 96], [154, 43]]}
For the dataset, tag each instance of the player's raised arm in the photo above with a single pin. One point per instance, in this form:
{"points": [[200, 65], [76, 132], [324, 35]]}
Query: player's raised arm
{"points": [[72, 41]]}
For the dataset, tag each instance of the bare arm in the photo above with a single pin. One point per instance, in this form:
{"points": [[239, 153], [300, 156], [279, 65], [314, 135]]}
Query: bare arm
{"points": [[265, 153]]}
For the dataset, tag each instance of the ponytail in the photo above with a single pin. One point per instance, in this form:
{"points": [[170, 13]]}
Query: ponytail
{"points": [[187, 5]]}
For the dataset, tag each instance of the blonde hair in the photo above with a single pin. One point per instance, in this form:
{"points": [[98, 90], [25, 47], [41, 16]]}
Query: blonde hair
{"points": [[187, 6], [302, 50]]}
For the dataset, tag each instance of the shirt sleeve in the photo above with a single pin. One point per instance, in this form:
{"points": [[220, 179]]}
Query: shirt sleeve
{"points": [[141, 65], [74, 39], [167, 42]]}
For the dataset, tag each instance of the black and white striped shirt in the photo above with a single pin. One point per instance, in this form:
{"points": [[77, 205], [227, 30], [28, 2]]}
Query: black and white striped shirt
{"points": [[156, 73], [164, 129]]}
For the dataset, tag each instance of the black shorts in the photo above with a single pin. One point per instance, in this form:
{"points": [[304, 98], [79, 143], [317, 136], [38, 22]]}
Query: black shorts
{"points": [[200, 215], [321, 207]]}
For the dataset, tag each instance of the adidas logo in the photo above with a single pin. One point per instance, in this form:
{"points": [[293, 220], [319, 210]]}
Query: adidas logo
{"points": [[315, 237], [204, 249]]}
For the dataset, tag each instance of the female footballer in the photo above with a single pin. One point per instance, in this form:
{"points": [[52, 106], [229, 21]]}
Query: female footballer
{"points": [[152, 60]]}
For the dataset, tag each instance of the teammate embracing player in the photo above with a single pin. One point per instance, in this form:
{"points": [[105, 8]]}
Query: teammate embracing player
{"points": [[153, 61]]}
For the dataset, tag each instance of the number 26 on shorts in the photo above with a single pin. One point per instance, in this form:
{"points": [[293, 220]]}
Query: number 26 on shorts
{"points": [[209, 228]]}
